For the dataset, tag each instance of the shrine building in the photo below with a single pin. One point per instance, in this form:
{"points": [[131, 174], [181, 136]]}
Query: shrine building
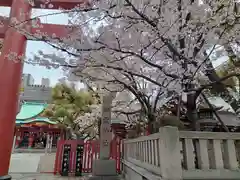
{"points": [[30, 124]]}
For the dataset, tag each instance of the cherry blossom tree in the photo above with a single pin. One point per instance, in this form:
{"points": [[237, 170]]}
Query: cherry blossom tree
{"points": [[161, 44], [153, 49], [90, 122]]}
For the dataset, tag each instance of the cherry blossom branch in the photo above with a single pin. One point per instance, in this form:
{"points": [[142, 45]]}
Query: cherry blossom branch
{"points": [[208, 55], [164, 40], [134, 90], [200, 89], [140, 57]]}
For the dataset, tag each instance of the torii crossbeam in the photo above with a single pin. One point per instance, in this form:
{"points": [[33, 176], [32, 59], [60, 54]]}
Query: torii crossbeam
{"points": [[11, 67], [47, 29], [64, 4]]}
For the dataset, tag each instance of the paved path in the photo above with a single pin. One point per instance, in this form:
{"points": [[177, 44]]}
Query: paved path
{"points": [[24, 162], [24, 166], [43, 177]]}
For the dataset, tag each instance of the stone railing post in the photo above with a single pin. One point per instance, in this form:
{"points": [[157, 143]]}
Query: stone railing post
{"points": [[170, 156]]}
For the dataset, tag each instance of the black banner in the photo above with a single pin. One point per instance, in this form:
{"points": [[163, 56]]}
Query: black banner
{"points": [[79, 159], [65, 160]]}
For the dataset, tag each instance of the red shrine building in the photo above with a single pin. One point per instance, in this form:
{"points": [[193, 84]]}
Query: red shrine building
{"points": [[31, 126]]}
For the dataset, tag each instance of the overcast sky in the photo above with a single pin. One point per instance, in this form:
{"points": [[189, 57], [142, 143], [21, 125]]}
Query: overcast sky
{"points": [[34, 46]]}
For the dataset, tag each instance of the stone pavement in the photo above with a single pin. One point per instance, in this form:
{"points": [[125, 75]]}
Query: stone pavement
{"points": [[24, 162], [25, 166], [37, 176]]}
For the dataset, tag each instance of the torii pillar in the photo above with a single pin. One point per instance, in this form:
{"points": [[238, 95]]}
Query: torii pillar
{"points": [[11, 66]]}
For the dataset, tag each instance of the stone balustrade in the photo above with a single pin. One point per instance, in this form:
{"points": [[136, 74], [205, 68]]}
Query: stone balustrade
{"points": [[176, 155]]}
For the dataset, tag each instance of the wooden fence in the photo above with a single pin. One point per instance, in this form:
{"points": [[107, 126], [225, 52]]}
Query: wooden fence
{"points": [[90, 153], [173, 154]]}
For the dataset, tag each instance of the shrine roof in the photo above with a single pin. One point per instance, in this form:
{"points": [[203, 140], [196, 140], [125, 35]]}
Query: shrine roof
{"points": [[30, 110], [36, 120]]}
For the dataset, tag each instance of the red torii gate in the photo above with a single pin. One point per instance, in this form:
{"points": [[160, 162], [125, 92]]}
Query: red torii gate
{"points": [[11, 67]]}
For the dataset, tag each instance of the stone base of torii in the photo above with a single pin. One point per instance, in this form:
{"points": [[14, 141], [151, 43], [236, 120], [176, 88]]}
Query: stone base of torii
{"points": [[7, 177], [105, 168]]}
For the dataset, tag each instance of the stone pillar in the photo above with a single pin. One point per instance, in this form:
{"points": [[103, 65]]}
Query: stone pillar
{"points": [[104, 168], [48, 148], [169, 150], [30, 140], [105, 128], [14, 144], [18, 137]]}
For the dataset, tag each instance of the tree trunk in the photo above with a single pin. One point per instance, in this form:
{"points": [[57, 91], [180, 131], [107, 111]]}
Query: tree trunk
{"points": [[220, 88], [152, 126], [192, 112], [72, 135], [193, 117]]}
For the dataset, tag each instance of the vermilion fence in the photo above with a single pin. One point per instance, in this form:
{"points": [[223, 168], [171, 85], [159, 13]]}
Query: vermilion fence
{"points": [[90, 152]]}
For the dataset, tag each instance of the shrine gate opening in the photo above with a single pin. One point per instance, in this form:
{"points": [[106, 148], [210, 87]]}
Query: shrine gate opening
{"points": [[11, 66]]}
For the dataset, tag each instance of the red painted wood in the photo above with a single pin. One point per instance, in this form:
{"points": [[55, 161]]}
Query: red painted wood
{"points": [[10, 78], [30, 140], [57, 158], [86, 156], [91, 152], [65, 4], [62, 31], [40, 129], [60, 156], [71, 158], [84, 163], [89, 162]]}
